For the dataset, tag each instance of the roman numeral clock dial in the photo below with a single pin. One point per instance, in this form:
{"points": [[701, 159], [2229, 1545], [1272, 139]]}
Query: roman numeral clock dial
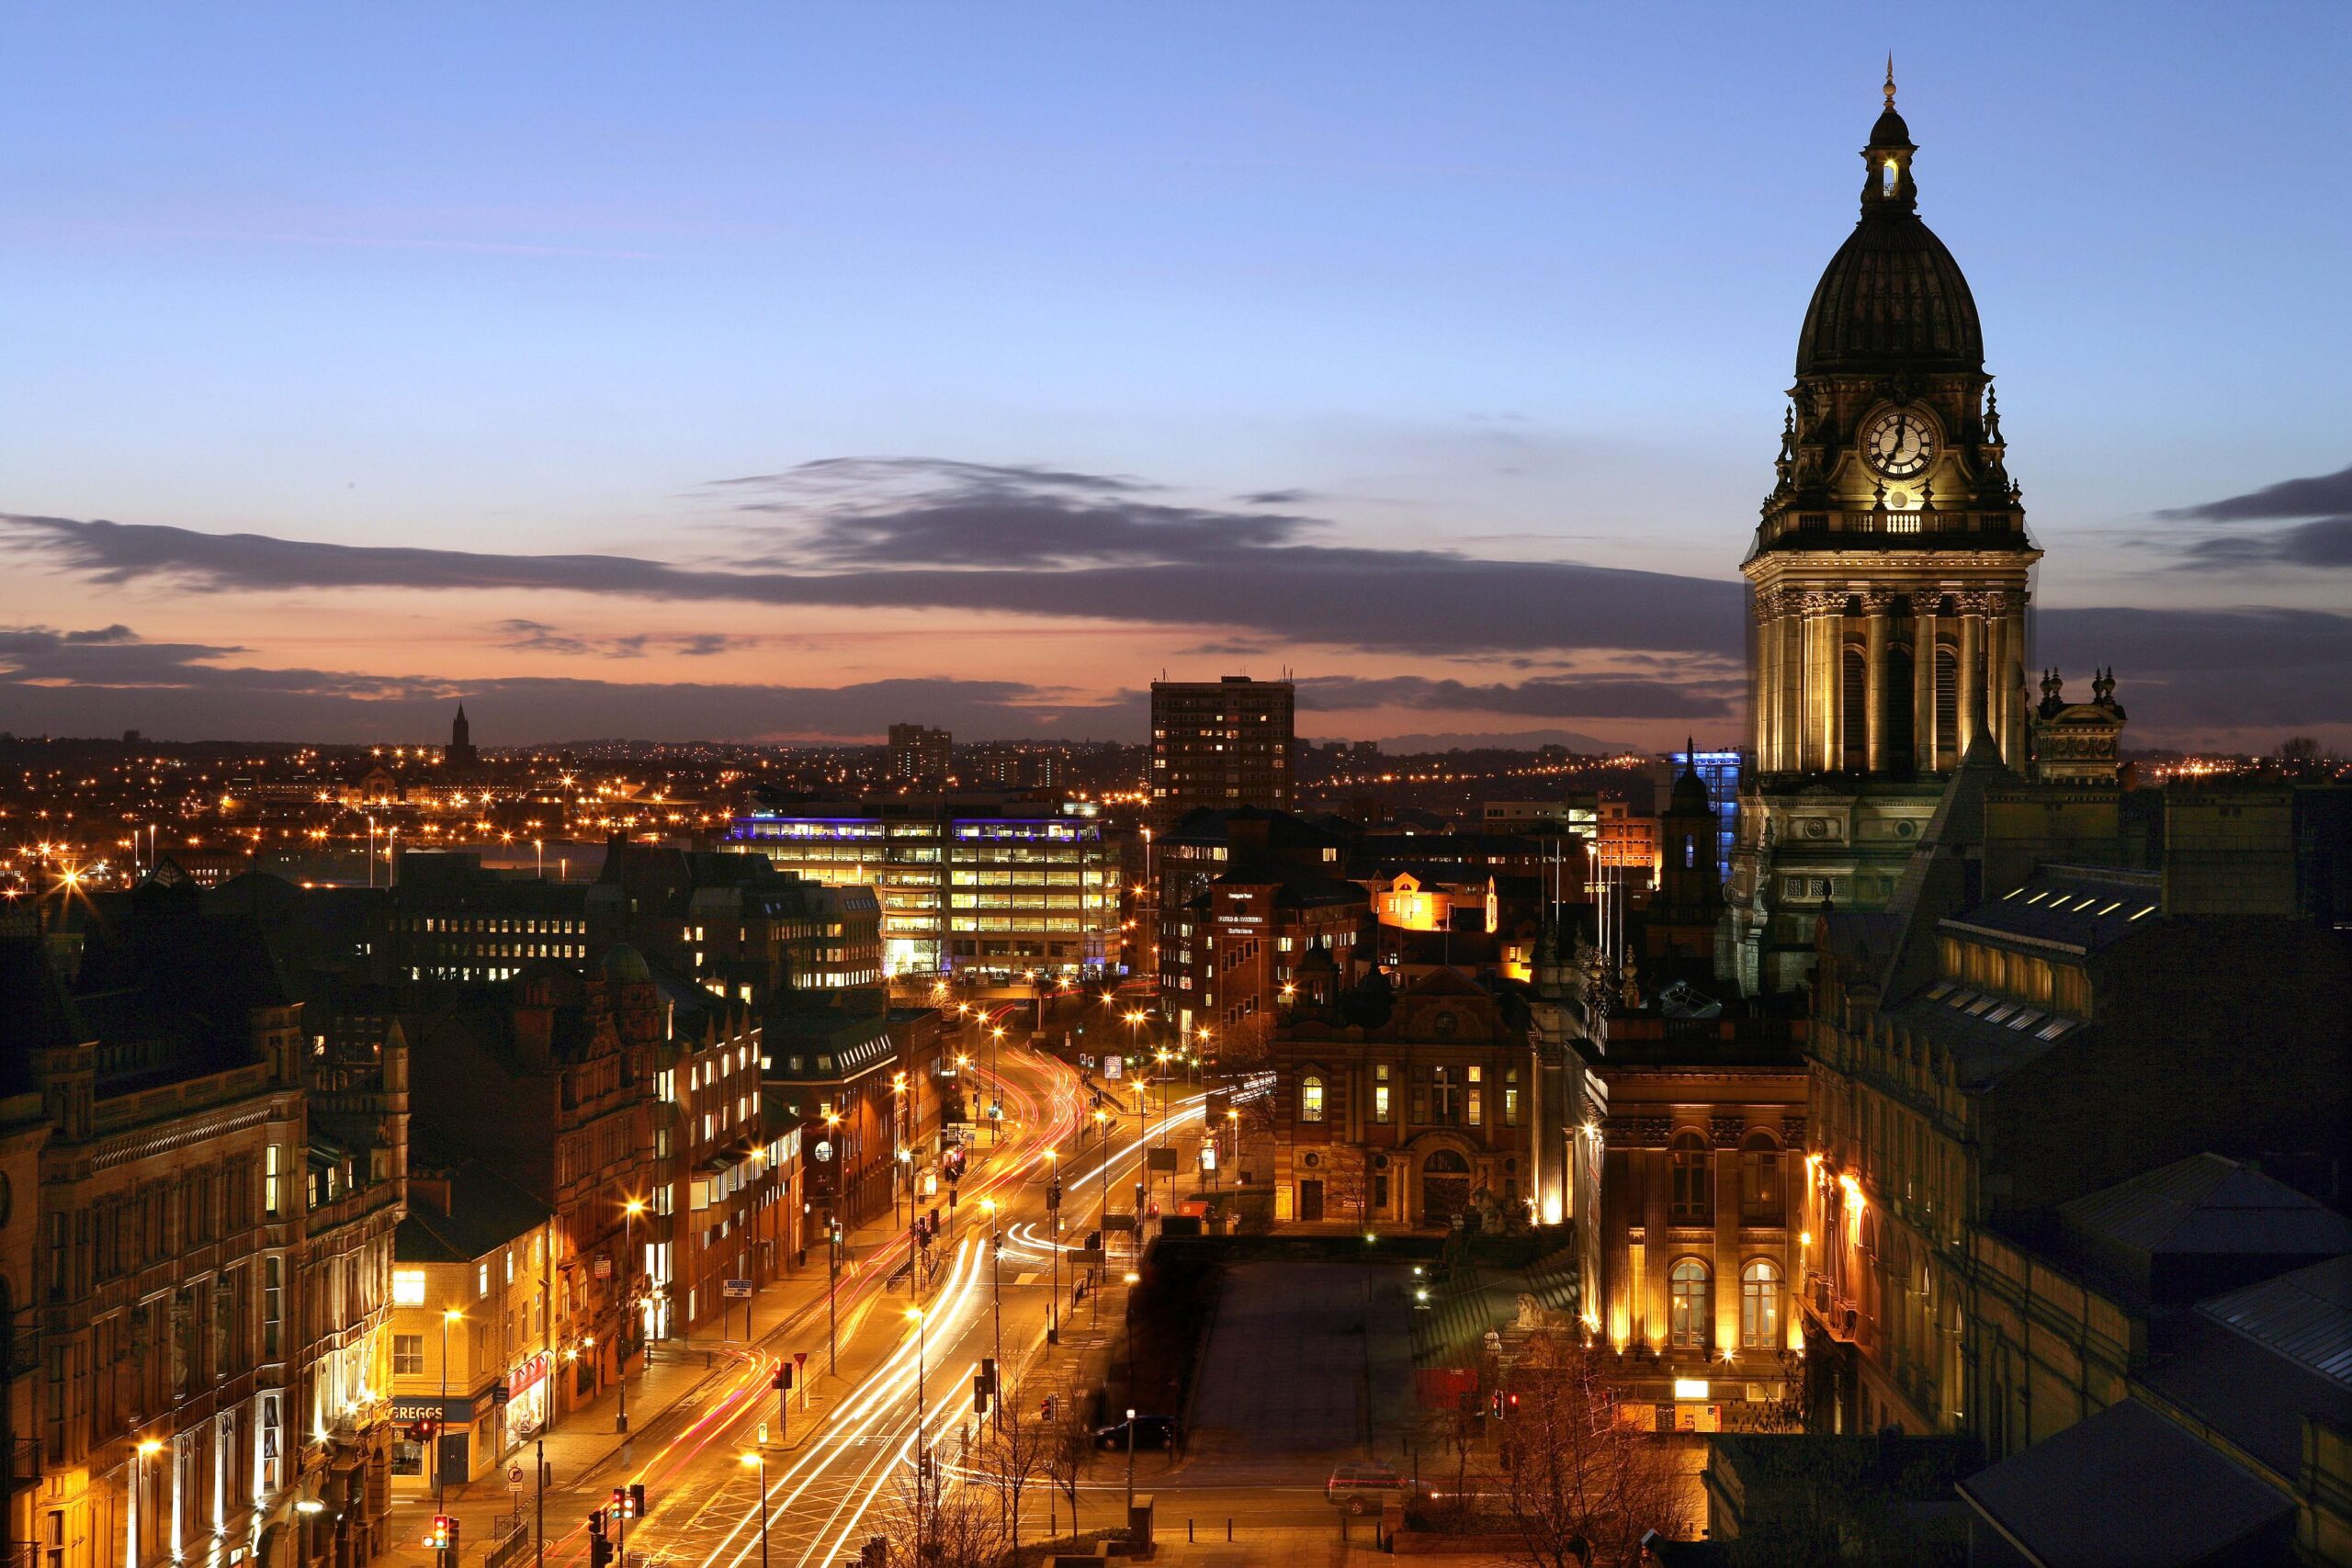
{"points": [[1900, 444]]}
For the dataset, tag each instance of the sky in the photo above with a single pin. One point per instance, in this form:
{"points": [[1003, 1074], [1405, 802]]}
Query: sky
{"points": [[780, 371]]}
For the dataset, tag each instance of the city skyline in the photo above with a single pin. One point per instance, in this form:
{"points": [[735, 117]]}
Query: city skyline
{"points": [[779, 379]]}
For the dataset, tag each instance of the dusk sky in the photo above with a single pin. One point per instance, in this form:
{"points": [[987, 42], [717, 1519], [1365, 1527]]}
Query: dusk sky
{"points": [[777, 371]]}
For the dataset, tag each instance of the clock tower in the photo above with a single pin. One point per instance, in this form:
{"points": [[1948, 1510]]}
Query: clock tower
{"points": [[1888, 582]]}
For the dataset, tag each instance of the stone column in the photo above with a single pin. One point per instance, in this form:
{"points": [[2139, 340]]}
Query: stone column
{"points": [[2013, 654], [1923, 679], [1763, 610], [1876, 603], [1999, 698], [1793, 682], [1973, 604], [1825, 634]]}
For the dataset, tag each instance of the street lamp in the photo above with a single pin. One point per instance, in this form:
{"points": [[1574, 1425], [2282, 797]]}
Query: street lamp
{"points": [[629, 1211], [996, 1273], [440, 1443], [923, 1445], [832, 1272], [148, 1448], [760, 1460], [1053, 1246]]}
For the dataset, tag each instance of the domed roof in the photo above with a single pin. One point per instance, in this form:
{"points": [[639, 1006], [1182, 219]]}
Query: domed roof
{"points": [[1892, 299], [624, 965]]}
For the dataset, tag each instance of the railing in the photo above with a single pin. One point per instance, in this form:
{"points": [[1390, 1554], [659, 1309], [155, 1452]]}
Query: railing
{"points": [[24, 1461], [1885, 523], [510, 1539]]}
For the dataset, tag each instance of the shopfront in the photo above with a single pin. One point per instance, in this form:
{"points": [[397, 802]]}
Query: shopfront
{"points": [[527, 1386]]}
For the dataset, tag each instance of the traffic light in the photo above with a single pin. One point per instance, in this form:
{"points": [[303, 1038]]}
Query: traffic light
{"points": [[636, 1499], [1045, 1409], [979, 1393], [618, 1502], [443, 1527], [596, 1523], [782, 1381], [600, 1552], [456, 1548]]}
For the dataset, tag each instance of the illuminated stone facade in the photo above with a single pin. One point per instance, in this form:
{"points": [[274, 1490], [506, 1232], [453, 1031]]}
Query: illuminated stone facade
{"points": [[1888, 580]]}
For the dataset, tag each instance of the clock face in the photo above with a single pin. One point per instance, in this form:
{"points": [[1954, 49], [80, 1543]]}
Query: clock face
{"points": [[1900, 442]]}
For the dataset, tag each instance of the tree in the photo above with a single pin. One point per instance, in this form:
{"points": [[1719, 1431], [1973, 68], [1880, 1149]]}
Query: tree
{"points": [[1012, 1456], [1580, 1485], [1065, 1444], [936, 1522]]}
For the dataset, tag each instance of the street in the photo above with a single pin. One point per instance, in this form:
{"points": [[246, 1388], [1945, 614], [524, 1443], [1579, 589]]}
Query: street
{"points": [[834, 1470]]}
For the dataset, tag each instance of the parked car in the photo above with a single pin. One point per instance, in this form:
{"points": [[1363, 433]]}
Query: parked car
{"points": [[1150, 1432], [1361, 1488]]}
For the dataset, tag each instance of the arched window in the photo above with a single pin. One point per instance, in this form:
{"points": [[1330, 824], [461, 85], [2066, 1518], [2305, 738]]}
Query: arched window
{"points": [[1689, 1160], [1760, 1180], [1690, 1306], [1759, 1304], [1310, 1098]]}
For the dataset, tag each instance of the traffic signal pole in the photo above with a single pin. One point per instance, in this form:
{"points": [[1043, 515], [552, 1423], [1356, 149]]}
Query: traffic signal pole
{"points": [[539, 1553]]}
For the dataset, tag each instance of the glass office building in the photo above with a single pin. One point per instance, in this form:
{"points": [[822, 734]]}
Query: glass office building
{"points": [[967, 884]]}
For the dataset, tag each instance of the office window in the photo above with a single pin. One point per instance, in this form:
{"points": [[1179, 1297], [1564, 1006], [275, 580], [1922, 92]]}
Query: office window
{"points": [[1310, 1098]]}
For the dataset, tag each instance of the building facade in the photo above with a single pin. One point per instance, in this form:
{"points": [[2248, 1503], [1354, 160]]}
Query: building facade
{"points": [[921, 757], [474, 1360], [209, 1311], [1405, 1110], [1217, 745], [1888, 582], [548, 1082], [980, 885]]}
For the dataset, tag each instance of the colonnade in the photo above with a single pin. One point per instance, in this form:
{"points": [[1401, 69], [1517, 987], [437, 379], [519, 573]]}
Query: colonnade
{"points": [[1881, 681]]}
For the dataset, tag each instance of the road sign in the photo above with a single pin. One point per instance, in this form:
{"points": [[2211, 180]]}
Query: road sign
{"points": [[737, 1289], [800, 1357], [1160, 1160], [515, 1475]]}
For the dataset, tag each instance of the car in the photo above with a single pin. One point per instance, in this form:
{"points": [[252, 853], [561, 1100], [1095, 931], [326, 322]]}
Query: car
{"points": [[1361, 1488], [1150, 1432]]}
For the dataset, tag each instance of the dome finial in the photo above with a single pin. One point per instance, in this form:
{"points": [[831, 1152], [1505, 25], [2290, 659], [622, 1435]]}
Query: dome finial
{"points": [[1890, 81]]}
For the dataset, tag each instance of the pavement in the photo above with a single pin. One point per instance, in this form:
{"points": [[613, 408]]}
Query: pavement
{"points": [[1308, 1360]]}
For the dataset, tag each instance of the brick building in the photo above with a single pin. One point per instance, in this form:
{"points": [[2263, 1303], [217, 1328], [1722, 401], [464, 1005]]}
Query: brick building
{"points": [[209, 1306], [550, 1082], [1405, 1109]]}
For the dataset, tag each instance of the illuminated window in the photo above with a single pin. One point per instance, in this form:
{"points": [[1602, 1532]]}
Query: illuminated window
{"points": [[1689, 1305], [1760, 1195], [408, 1287], [1310, 1098], [1689, 1162], [1760, 1305]]}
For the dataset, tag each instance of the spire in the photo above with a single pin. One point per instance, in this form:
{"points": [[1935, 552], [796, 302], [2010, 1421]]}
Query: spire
{"points": [[1888, 187]]}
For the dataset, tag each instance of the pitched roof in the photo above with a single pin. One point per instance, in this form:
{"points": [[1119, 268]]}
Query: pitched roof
{"points": [[2079, 908], [2305, 1316], [2206, 1204], [2125, 1486], [486, 1212]]}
